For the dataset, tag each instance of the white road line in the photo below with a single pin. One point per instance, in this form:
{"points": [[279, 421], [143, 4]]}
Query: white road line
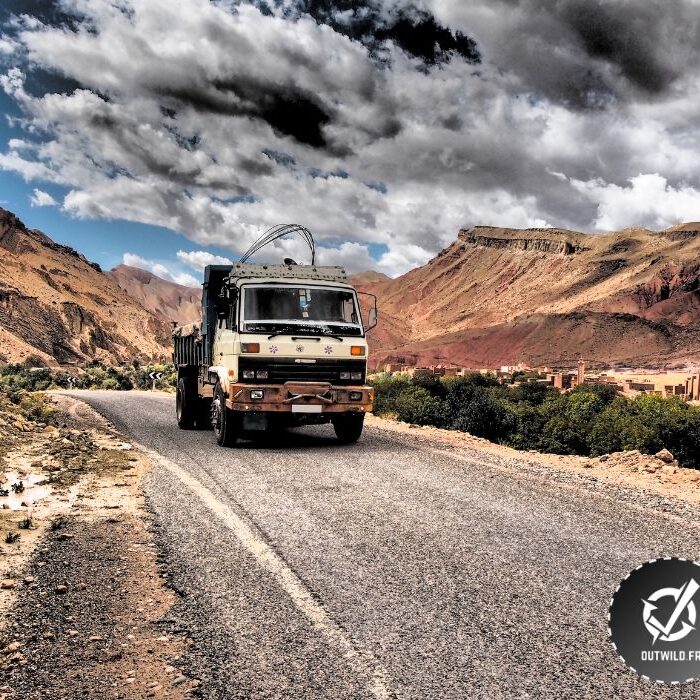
{"points": [[379, 683]]}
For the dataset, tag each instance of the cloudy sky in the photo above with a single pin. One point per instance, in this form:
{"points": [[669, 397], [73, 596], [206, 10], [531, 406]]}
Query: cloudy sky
{"points": [[169, 134]]}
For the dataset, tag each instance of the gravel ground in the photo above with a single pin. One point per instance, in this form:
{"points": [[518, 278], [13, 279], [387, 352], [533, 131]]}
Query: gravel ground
{"points": [[397, 567], [88, 622], [85, 606]]}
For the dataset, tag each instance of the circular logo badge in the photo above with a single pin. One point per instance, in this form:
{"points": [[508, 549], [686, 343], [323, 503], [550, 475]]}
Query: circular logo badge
{"points": [[652, 620]]}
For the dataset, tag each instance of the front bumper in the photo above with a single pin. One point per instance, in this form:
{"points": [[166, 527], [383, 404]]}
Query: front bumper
{"points": [[294, 396]]}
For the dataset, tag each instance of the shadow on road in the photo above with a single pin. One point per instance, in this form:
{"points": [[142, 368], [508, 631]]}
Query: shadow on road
{"points": [[306, 437]]}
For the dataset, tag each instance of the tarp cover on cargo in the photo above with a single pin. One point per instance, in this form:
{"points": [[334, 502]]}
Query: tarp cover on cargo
{"points": [[191, 329]]}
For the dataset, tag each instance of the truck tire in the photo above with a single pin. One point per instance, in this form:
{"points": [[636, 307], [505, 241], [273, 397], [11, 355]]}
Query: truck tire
{"points": [[224, 420], [185, 404], [348, 427]]}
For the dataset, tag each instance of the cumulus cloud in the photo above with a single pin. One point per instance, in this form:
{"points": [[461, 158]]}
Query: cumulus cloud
{"points": [[7, 45], [199, 259], [160, 270], [384, 125], [42, 199], [134, 260], [584, 53], [647, 200]]}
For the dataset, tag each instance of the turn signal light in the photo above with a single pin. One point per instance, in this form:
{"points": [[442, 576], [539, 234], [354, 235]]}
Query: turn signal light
{"points": [[357, 350], [250, 347]]}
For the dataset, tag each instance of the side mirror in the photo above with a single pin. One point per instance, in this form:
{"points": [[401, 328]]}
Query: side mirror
{"points": [[221, 308], [372, 313], [372, 319]]}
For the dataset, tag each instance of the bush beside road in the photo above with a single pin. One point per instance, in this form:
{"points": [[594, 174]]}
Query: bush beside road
{"points": [[18, 377], [592, 420]]}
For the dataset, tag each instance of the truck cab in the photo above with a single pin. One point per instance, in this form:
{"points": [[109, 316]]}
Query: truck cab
{"points": [[279, 345]]}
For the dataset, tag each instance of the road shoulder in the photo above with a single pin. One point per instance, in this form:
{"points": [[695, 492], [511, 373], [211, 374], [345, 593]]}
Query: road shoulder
{"points": [[631, 470], [86, 603]]}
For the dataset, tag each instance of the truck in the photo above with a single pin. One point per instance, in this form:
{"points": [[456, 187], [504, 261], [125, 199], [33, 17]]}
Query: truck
{"points": [[278, 345]]}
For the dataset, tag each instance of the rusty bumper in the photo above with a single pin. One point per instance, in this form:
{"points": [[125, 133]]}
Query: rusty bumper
{"points": [[283, 398]]}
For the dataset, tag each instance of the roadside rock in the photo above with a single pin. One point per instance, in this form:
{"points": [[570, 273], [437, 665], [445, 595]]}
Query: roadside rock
{"points": [[665, 456]]}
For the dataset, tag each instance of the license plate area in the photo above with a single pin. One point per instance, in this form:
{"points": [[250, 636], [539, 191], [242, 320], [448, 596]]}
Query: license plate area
{"points": [[301, 408]]}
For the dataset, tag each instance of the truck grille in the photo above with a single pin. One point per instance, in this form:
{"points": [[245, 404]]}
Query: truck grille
{"points": [[285, 370]]}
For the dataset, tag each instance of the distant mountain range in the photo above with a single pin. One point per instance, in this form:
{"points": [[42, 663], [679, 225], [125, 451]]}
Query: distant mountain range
{"points": [[546, 296], [161, 297], [495, 296]]}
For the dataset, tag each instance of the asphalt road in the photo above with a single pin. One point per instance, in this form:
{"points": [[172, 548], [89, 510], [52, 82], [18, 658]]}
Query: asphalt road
{"points": [[396, 567]]}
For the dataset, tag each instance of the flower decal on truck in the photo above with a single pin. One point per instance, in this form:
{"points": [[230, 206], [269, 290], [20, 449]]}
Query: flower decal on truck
{"points": [[273, 349], [328, 349]]}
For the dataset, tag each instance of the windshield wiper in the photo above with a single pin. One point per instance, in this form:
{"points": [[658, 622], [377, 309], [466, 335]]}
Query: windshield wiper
{"points": [[317, 336]]}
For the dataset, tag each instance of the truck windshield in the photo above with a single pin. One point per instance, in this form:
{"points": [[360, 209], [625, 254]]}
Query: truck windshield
{"points": [[317, 310]]}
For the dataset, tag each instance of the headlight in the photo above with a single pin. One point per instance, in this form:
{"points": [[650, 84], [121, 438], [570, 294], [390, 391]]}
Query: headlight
{"points": [[257, 395], [355, 396], [356, 375], [345, 375], [261, 374], [248, 374]]}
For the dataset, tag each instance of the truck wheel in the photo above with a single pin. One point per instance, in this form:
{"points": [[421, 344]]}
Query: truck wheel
{"points": [[185, 404], [348, 428], [224, 420]]}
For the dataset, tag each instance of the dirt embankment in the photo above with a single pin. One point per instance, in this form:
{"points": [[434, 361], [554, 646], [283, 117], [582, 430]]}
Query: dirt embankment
{"points": [[83, 594]]}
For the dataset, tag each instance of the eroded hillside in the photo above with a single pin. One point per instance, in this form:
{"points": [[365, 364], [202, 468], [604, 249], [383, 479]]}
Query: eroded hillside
{"points": [[544, 296], [58, 307], [162, 297]]}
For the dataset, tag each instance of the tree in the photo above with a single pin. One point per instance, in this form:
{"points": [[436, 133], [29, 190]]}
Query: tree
{"points": [[569, 420]]}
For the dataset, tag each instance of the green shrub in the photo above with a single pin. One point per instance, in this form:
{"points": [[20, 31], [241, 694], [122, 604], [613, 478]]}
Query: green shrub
{"points": [[478, 412], [417, 405], [386, 391], [590, 420], [15, 379], [38, 408]]}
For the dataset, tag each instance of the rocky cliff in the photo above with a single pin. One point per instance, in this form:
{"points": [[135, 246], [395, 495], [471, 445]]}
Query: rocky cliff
{"points": [[58, 307], [538, 240], [545, 296]]}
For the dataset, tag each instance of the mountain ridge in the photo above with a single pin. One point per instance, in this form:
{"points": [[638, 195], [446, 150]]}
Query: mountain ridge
{"points": [[499, 296], [494, 296], [175, 302], [57, 307]]}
